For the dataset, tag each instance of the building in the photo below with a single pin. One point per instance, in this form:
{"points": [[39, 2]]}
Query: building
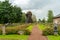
{"points": [[56, 19]]}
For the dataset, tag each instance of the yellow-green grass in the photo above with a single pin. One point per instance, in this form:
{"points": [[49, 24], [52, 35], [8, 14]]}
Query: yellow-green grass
{"points": [[53, 37], [13, 37], [30, 28], [41, 26]]}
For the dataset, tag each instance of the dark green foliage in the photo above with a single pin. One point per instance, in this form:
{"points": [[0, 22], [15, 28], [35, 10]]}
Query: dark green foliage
{"points": [[50, 16], [5, 8], [23, 18], [48, 31], [39, 21], [18, 14], [27, 32], [43, 20], [9, 14]]}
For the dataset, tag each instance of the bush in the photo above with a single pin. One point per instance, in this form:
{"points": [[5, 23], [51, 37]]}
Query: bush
{"points": [[48, 31], [27, 32], [11, 30], [59, 29], [14, 29]]}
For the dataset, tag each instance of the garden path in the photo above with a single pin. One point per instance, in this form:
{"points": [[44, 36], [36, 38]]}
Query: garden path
{"points": [[36, 34]]}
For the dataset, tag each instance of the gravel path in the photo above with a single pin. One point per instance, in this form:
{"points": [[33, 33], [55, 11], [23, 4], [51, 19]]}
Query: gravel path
{"points": [[36, 34]]}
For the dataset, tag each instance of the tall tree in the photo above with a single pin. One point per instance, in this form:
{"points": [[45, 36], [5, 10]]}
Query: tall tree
{"points": [[17, 13], [50, 16], [5, 8], [9, 14], [23, 18]]}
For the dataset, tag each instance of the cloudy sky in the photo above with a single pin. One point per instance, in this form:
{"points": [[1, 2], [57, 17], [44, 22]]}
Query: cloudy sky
{"points": [[38, 7]]}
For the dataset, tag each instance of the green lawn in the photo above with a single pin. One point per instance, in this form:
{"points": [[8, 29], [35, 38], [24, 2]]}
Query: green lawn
{"points": [[13, 37], [41, 26], [25, 37], [54, 37], [30, 28]]}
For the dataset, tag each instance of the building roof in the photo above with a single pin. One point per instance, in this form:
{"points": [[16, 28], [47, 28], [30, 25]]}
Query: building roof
{"points": [[57, 16]]}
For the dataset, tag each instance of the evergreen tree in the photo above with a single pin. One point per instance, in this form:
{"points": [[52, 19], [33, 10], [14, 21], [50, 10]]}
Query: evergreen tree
{"points": [[50, 16]]}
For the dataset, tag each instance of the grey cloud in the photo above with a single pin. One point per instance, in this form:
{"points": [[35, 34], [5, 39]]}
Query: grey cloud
{"points": [[11, 1], [35, 4]]}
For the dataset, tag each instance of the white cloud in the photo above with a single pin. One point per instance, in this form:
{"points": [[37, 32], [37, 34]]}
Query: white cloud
{"points": [[2, 0], [21, 2]]}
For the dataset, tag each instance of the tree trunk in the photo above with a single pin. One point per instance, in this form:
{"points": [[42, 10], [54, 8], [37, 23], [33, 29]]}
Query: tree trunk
{"points": [[3, 30]]}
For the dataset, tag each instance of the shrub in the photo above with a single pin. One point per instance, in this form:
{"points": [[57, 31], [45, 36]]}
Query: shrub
{"points": [[11, 30], [14, 30], [59, 29], [48, 31], [27, 32]]}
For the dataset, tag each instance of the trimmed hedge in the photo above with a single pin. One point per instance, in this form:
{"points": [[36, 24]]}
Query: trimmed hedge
{"points": [[15, 29]]}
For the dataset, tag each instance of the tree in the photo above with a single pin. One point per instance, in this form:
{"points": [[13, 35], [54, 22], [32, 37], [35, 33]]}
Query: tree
{"points": [[43, 20], [5, 10], [9, 14], [39, 20], [17, 12], [23, 18], [50, 16]]}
